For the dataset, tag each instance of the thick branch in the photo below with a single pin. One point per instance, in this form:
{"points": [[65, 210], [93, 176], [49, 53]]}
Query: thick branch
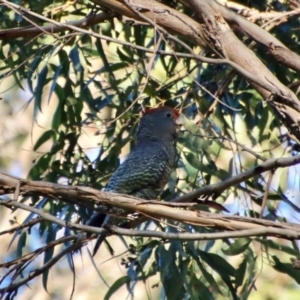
{"points": [[275, 47], [278, 50], [87, 196], [267, 231], [219, 33], [262, 228]]}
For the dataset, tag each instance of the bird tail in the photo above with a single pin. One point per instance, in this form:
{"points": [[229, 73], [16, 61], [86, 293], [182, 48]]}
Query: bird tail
{"points": [[97, 220], [101, 220], [99, 241]]}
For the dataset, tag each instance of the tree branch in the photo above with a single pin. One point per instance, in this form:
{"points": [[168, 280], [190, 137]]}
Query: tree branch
{"points": [[220, 187], [79, 242], [185, 236], [223, 37], [234, 226], [87, 197], [42, 269], [22, 226], [277, 49], [55, 27]]}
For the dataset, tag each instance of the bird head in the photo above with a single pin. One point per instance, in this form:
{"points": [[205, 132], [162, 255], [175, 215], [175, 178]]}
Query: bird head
{"points": [[160, 123]]}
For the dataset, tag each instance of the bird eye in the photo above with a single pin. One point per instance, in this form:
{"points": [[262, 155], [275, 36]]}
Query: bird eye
{"points": [[168, 115]]}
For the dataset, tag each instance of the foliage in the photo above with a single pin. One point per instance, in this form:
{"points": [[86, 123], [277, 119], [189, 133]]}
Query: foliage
{"points": [[82, 82]]}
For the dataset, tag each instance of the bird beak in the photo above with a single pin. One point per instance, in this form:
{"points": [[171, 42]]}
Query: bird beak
{"points": [[180, 120]]}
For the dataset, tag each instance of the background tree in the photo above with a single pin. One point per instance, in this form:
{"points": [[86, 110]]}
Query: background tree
{"points": [[74, 77]]}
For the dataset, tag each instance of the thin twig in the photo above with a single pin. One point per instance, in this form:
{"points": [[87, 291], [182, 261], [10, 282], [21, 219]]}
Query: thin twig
{"points": [[264, 202], [22, 226]]}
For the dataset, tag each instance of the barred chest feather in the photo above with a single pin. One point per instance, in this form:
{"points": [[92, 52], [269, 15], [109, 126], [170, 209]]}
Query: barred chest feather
{"points": [[146, 171]]}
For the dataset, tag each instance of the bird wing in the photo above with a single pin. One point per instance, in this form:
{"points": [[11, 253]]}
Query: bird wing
{"points": [[146, 167], [143, 174]]}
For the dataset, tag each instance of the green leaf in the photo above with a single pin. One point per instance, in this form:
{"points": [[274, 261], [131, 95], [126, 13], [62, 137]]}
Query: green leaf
{"points": [[40, 167], [47, 135], [33, 68], [116, 285], [112, 79], [64, 63], [57, 117], [286, 268], [210, 169], [54, 81], [41, 82], [21, 243], [218, 263], [198, 290], [238, 246], [273, 245], [48, 254], [192, 142], [170, 275], [74, 56], [208, 277], [240, 273], [124, 57]]}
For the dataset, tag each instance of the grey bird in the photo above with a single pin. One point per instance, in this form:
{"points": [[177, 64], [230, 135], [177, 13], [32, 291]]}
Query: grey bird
{"points": [[148, 167]]}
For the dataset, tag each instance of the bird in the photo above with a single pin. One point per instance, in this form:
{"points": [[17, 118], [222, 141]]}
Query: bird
{"points": [[149, 165]]}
